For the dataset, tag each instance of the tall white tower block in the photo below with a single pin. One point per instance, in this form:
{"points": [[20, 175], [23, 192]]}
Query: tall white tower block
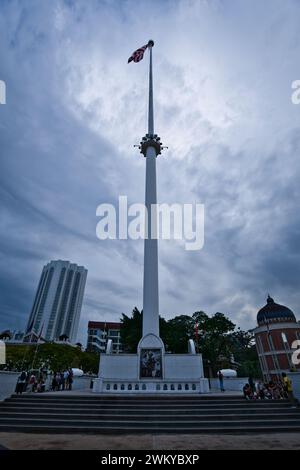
{"points": [[57, 304]]}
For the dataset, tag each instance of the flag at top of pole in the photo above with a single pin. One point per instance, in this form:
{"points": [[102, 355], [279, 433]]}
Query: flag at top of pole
{"points": [[139, 53]]}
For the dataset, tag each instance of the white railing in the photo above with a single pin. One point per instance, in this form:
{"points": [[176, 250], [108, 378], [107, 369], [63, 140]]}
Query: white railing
{"points": [[110, 386]]}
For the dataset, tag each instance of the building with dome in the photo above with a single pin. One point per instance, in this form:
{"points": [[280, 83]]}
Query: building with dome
{"points": [[277, 328]]}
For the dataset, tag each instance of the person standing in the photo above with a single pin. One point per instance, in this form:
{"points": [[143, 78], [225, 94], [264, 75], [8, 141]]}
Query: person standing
{"points": [[21, 383], [33, 382], [220, 377], [260, 390], [66, 376], [251, 383], [70, 378], [287, 385]]}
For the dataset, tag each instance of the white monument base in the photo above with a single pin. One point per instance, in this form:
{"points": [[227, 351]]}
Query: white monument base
{"points": [[176, 373]]}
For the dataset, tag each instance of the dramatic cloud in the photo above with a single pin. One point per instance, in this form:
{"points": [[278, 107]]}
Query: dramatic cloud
{"points": [[223, 74]]}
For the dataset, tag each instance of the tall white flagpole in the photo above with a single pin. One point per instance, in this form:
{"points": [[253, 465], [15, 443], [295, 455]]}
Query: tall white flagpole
{"points": [[150, 108], [151, 147]]}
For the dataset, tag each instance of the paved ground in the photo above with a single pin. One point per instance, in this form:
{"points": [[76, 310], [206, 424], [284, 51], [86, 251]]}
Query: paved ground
{"points": [[25, 441]]}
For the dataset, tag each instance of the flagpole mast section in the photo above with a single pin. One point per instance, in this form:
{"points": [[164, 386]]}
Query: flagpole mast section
{"points": [[150, 109]]}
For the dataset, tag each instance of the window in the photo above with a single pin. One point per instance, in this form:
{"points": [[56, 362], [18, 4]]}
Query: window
{"points": [[275, 360], [270, 341], [113, 333], [285, 341], [259, 345]]}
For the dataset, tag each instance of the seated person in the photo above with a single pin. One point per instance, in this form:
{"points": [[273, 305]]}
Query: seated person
{"points": [[247, 392]]}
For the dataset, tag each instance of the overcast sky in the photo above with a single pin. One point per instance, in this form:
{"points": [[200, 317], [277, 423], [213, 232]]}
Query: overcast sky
{"points": [[75, 108]]}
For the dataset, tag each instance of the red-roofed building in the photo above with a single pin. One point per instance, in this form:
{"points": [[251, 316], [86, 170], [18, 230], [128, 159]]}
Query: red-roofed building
{"points": [[277, 329], [100, 332]]}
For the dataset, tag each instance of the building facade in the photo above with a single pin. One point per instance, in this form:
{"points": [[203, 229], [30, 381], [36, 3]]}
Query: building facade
{"points": [[57, 305], [275, 333], [100, 332]]}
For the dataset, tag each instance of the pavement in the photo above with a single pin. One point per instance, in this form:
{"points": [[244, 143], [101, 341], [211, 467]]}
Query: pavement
{"points": [[23, 441]]}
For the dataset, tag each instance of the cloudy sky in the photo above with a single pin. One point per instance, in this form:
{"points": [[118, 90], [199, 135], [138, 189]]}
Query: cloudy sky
{"points": [[223, 73]]}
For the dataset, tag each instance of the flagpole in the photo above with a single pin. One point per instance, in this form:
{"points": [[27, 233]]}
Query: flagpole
{"points": [[150, 109], [150, 147]]}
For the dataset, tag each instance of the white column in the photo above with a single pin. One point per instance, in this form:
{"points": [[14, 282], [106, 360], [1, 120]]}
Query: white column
{"points": [[150, 293]]}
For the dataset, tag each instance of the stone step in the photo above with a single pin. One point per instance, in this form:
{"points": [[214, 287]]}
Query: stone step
{"points": [[150, 422], [148, 417], [145, 402], [82, 414], [144, 410], [160, 426], [123, 429]]}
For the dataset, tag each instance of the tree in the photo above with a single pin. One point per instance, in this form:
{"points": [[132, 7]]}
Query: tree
{"points": [[54, 357], [177, 333], [131, 330], [63, 337], [215, 341], [244, 351], [5, 335]]}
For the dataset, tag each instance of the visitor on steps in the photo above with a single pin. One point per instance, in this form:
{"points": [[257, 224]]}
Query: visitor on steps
{"points": [[21, 383], [220, 377], [33, 382], [287, 385], [248, 392], [251, 384], [260, 390], [70, 378]]}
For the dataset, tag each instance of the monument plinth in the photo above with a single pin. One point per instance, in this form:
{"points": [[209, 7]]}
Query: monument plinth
{"points": [[151, 370]]}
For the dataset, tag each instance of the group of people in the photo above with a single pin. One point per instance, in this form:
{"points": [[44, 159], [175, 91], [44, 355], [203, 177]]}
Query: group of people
{"points": [[37, 381], [272, 390], [26, 379], [62, 380]]}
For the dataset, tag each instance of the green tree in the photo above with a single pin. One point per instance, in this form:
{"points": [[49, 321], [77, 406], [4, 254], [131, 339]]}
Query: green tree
{"points": [[131, 330], [214, 340], [50, 356], [5, 335], [177, 333], [244, 351]]}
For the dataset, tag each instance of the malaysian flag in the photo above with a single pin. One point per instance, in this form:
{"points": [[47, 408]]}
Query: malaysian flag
{"points": [[138, 54]]}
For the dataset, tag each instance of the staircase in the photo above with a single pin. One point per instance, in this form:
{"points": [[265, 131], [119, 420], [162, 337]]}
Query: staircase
{"points": [[50, 413]]}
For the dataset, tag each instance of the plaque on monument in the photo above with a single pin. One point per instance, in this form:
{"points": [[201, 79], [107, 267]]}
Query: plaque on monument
{"points": [[151, 363]]}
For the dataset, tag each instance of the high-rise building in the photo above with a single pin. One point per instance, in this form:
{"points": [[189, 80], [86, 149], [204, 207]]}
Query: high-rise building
{"points": [[100, 332], [58, 301]]}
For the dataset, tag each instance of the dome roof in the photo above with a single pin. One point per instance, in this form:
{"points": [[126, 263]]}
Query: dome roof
{"points": [[273, 312]]}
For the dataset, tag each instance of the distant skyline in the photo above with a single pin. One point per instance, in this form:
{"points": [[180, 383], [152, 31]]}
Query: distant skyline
{"points": [[74, 109]]}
